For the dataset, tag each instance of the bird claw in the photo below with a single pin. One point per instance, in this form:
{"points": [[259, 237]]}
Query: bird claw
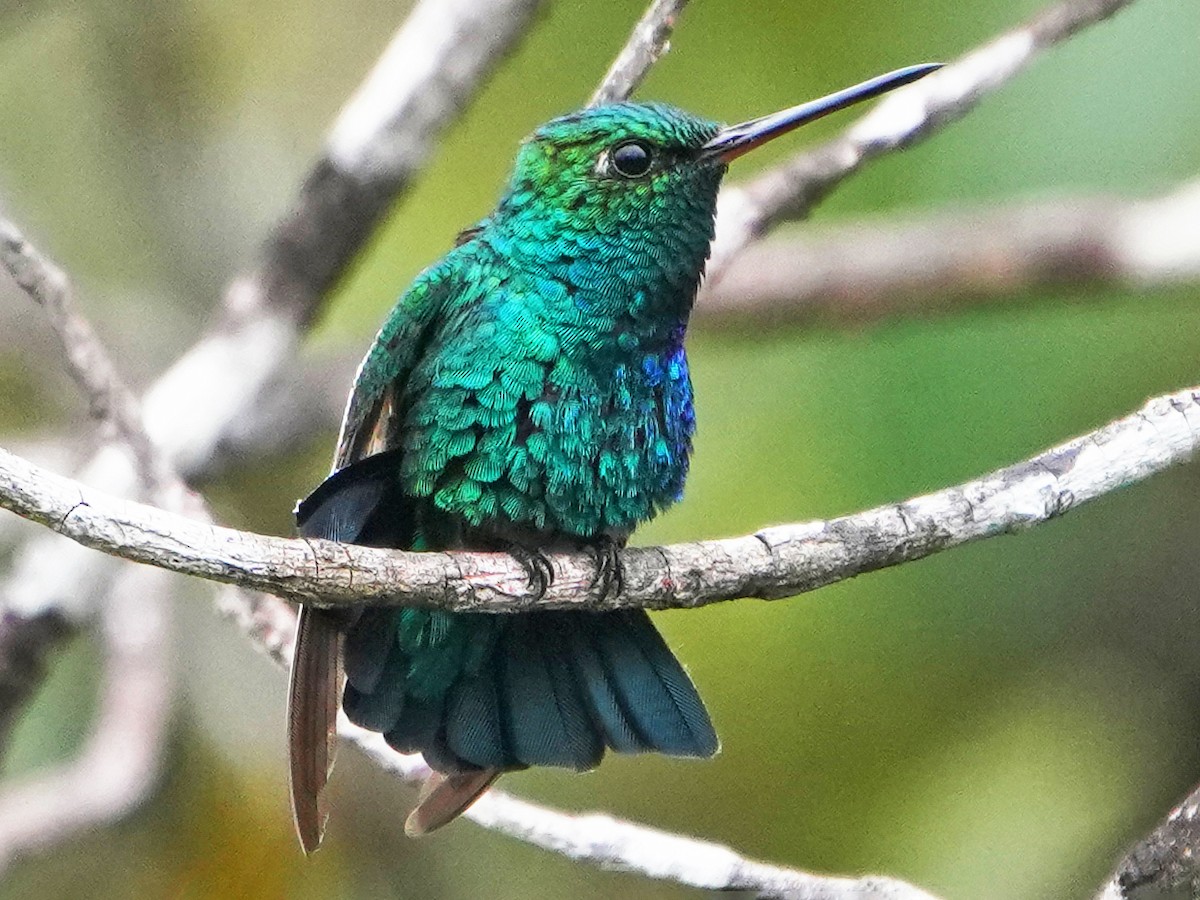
{"points": [[610, 572], [537, 568]]}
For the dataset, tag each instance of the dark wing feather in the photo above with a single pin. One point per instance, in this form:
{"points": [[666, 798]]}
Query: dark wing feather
{"points": [[397, 348], [342, 511]]}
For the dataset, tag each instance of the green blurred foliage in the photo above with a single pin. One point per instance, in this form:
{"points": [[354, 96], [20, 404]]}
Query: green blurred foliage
{"points": [[1000, 721]]}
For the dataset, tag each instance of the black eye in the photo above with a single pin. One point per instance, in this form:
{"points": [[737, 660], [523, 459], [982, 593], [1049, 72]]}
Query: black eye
{"points": [[631, 159]]}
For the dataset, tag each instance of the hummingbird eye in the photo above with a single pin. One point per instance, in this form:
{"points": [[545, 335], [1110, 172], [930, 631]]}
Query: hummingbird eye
{"points": [[631, 159]]}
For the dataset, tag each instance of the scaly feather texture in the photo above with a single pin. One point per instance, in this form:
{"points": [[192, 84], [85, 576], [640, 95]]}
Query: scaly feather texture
{"points": [[530, 390]]}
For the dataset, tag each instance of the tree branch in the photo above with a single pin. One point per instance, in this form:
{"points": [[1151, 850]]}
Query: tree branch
{"points": [[120, 762], [776, 562], [650, 40], [612, 843], [942, 262], [791, 190], [109, 400], [1166, 863], [381, 139]]}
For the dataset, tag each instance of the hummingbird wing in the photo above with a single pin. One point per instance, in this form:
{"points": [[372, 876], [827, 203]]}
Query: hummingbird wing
{"points": [[336, 512]]}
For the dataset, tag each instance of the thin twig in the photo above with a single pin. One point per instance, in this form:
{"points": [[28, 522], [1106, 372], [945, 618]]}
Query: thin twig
{"points": [[612, 843], [109, 400], [776, 562], [791, 190], [649, 41]]}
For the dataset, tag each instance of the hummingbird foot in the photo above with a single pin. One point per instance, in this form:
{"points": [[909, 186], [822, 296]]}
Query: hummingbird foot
{"points": [[605, 552], [537, 566]]}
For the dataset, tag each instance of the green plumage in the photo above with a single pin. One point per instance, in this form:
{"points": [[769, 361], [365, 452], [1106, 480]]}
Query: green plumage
{"points": [[529, 393], [533, 391]]}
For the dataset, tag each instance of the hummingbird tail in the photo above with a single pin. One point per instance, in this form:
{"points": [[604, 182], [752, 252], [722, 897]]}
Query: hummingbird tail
{"points": [[446, 797], [637, 693], [312, 721], [535, 689]]}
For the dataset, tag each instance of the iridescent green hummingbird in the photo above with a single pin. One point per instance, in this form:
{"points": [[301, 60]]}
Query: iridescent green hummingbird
{"points": [[529, 393]]}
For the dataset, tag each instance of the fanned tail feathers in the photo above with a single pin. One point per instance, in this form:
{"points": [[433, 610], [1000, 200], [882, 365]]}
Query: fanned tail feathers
{"points": [[477, 695]]}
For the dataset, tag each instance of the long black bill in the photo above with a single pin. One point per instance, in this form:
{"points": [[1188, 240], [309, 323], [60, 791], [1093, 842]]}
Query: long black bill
{"points": [[734, 140]]}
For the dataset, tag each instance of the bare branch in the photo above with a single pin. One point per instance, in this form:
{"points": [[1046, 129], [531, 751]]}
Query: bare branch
{"points": [[109, 400], [902, 118], [650, 40], [940, 263], [381, 139], [120, 762], [1166, 863], [611, 843], [776, 562]]}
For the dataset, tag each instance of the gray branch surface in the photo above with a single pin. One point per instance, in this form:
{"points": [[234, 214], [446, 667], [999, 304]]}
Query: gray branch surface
{"points": [[650, 40], [911, 114], [948, 260], [1164, 864], [776, 562]]}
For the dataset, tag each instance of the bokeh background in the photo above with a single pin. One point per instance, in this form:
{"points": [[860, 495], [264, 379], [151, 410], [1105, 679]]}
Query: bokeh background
{"points": [[999, 721]]}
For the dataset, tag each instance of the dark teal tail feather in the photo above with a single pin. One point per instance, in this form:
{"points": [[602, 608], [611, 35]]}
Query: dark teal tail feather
{"points": [[368, 647], [546, 721], [610, 717], [377, 703], [417, 730], [474, 729], [554, 689], [654, 691]]}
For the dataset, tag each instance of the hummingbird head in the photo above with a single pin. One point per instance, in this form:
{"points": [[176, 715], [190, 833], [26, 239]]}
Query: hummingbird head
{"points": [[630, 189], [615, 170], [627, 165]]}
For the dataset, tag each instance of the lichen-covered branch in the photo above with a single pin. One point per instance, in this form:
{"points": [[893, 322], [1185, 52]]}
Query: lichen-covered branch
{"points": [[791, 190], [650, 40], [776, 562]]}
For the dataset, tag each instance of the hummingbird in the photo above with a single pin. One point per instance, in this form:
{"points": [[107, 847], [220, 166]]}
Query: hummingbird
{"points": [[528, 393]]}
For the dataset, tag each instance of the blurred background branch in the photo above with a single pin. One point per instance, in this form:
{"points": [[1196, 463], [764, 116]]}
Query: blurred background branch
{"points": [[120, 762], [949, 260], [650, 40], [791, 190]]}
